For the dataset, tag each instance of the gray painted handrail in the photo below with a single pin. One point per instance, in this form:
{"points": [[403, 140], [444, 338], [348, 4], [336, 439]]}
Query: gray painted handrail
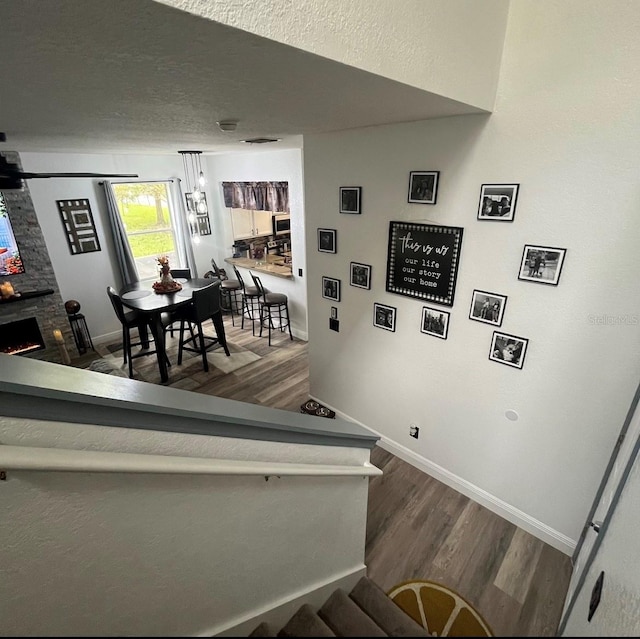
{"points": [[42, 390]]}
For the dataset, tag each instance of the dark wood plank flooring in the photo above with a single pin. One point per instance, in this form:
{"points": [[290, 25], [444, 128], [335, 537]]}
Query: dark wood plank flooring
{"points": [[417, 527]]}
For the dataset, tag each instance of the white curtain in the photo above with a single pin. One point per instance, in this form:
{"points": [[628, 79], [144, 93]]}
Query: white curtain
{"points": [[183, 234]]}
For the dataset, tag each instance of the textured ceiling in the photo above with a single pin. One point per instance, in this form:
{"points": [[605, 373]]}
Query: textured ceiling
{"points": [[117, 75]]}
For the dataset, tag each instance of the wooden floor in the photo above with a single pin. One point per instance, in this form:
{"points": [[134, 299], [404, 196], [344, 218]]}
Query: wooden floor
{"points": [[417, 527]]}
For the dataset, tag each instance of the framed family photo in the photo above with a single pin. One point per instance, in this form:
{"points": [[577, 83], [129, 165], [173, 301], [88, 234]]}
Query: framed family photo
{"points": [[360, 275], [423, 187], [435, 322], [541, 264], [498, 202], [350, 199], [508, 349], [331, 288], [487, 307], [384, 317], [327, 240]]}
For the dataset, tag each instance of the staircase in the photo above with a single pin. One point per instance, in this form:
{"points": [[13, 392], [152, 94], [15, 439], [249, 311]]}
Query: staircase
{"points": [[364, 612]]}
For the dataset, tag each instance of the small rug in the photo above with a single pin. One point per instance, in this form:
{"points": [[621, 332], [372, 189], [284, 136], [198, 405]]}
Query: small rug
{"points": [[442, 612]]}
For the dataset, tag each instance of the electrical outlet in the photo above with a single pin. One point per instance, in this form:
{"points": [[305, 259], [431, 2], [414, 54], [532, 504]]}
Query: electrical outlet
{"points": [[414, 430]]}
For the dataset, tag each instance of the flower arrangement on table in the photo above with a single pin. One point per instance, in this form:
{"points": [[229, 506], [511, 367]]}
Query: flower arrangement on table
{"points": [[166, 284]]}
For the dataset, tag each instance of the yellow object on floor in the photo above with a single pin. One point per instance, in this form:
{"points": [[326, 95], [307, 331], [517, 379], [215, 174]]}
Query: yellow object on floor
{"points": [[440, 611]]}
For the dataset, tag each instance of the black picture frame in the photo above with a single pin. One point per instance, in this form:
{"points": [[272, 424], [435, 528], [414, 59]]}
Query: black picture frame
{"points": [[351, 200], [435, 322], [498, 202], [331, 288], [508, 349], [422, 261], [384, 317], [327, 240], [198, 214], [360, 275], [423, 187], [79, 227], [483, 307], [541, 264]]}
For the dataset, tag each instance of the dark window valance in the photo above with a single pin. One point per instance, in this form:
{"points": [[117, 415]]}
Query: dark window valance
{"points": [[257, 196]]}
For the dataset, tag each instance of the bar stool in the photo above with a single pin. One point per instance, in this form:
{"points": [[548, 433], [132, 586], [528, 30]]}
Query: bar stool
{"points": [[270, 303], [229, 289], [250, 302]]}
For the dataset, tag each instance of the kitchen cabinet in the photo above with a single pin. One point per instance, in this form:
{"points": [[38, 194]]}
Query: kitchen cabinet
{"points": [[248, 224]]}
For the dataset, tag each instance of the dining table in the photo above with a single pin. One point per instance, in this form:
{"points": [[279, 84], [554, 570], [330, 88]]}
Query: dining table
{"points": [[141, 297]]}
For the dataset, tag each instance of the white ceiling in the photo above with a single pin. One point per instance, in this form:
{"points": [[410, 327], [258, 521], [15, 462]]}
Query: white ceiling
{"points": [[138, 76]]}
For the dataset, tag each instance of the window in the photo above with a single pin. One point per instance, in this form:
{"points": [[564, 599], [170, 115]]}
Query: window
{"points": [[148, 218]]}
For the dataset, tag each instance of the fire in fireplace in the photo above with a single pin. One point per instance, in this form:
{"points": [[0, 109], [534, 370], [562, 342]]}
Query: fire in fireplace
{"points": [[21, 337]]}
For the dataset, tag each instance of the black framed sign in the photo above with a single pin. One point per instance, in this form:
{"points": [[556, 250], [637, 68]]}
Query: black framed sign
{"points": [[422, 261], [79, 226]]}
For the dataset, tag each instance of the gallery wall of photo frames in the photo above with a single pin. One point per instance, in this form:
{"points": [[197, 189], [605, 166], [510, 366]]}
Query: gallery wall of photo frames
{"points": [[423, 259]]}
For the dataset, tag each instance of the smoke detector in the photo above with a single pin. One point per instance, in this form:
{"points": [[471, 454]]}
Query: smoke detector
{"points": [[227, 125]]}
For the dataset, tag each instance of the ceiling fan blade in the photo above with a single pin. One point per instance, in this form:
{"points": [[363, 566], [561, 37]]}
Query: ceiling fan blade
{"points": [[29, 176]]}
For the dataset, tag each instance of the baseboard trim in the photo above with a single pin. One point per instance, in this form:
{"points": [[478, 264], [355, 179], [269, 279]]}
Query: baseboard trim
{"points": [[516, 516], [282, 610]]}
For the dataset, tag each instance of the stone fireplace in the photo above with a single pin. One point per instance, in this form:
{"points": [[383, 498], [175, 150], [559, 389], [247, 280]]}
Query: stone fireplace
{"points": [[39, 309]]}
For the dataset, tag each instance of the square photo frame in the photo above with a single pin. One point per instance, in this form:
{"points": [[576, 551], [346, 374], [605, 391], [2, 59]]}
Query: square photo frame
{"points": [[487, 307], [384, 317], [435, 322], [351, 199], [498, 202], [541, 264], [423, 187], [360, 275], [331, 288], [327, 241], [508, 349]]}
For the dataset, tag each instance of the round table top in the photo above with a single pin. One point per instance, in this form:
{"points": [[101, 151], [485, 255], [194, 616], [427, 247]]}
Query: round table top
{"points": [[141, 296]]}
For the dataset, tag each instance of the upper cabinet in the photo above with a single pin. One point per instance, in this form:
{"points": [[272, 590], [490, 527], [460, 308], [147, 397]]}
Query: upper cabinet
{"points": [[247, 224]]}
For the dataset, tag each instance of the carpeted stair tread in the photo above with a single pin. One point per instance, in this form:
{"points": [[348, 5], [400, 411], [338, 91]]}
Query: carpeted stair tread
{"points": [[306, 623], [388, 615], [347, 619], [265, 629]]}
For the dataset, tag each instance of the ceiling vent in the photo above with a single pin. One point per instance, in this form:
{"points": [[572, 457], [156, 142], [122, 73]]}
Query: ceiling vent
{"points": [[260, 140]]}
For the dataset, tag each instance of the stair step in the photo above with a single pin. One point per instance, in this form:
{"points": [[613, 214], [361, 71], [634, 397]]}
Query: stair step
{"points": [[388, 615], [306, 623], [265, 629], [347, 619]]}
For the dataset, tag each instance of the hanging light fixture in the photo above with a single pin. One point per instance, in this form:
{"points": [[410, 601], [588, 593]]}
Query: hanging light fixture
{"points": [[195, 183]]}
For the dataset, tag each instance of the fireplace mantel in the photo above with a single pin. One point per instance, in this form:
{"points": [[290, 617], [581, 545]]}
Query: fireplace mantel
{"points": [[26, 296]]}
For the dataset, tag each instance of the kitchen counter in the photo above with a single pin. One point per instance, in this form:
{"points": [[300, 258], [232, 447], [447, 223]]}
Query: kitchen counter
{"points": [[270, 264]]}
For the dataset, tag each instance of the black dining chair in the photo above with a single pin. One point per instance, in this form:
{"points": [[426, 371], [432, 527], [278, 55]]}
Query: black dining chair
{"points": [[229, 290], [130, 320], [178, 273], [272, 305], [250, 304], [205, 305]]}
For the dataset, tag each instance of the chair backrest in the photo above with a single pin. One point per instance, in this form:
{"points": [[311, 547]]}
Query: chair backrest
{"points": [[238, 276], [206, 302], [116, 303], [218, 271], [184, 273], [258, 283]]}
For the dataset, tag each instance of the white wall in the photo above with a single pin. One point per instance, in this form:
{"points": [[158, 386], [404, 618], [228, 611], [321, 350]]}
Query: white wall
{"points": [[267, 166], [567, 128], [424, 43], [95, 554], [85, 277]]}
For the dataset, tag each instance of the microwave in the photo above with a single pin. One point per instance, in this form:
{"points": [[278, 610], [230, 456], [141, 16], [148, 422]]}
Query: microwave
{"points": [[281, 224]]}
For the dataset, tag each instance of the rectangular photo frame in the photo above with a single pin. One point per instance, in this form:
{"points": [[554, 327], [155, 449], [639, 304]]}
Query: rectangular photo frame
{"points": [[508, 349], [435, 322], [541, 264], [384, 317], [360, 275], [487, 307], [423, 187], [331, 288], [351, 200], [327, 240], [498, 202]]}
